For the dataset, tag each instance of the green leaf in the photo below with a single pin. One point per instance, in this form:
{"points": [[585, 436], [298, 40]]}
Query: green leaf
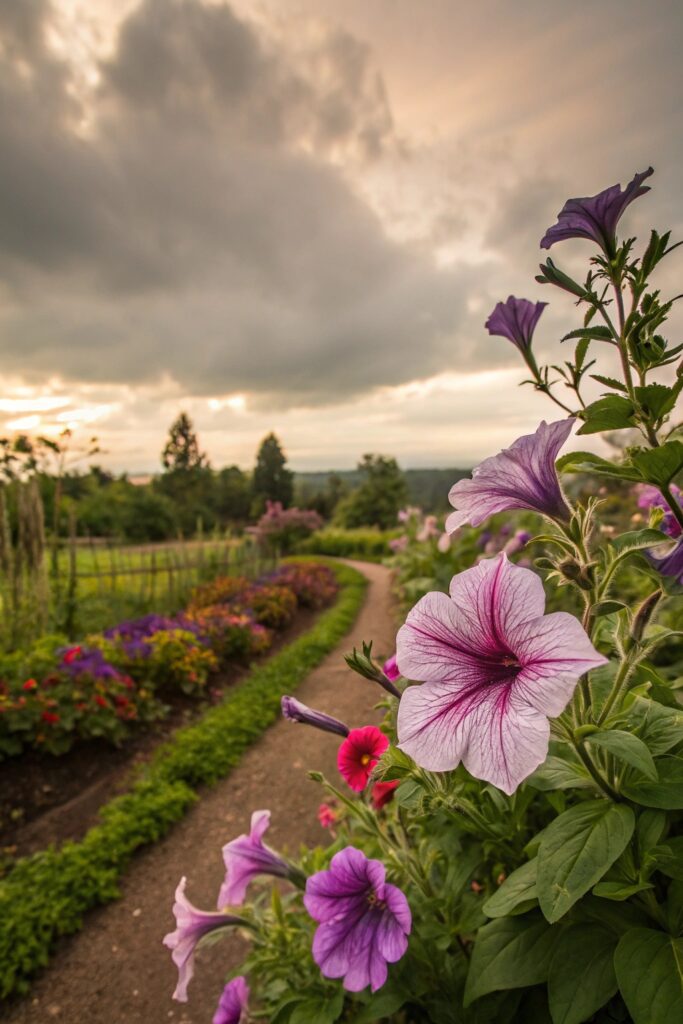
{"points": [[618, 891], [626, 747], [635, 540], [607, 608], [658, 465], [581, 978], [668, 857], [410, 794], [586, 462], [518, 889], [648, 967], [512, 952], [556, 773], [319, 1011], [577, 849], [666, 793], [611, 413], [658, 726], [656, 401], [674, 907], [383, 1004], [609, 382], [596, 333]]}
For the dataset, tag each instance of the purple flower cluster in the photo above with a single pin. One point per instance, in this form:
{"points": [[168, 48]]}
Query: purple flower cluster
{"points": [[133, 634], [79, 661]]}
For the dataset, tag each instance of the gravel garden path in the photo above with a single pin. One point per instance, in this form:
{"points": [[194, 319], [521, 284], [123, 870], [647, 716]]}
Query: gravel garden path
{"points": [[116, 971]]}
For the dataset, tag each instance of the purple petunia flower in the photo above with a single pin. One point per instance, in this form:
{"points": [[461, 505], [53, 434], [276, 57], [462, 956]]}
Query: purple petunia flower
{"points": [[596, 217], [515, 320], [670, 564], [294, 711], [245, 858], [651, 497], [521, 476], [191, 927], [364, 921], [494, 667], [232, 1005]]}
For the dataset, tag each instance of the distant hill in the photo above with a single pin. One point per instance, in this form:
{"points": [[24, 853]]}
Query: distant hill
{"points": [[427, 488]]}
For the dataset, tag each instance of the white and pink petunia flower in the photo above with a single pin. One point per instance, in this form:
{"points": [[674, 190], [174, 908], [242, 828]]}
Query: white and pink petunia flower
{"points": [[493, 669]]}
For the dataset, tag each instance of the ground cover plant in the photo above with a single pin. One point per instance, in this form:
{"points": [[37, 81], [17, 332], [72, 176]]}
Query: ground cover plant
{"points": [[46, 895], [508, 846]]}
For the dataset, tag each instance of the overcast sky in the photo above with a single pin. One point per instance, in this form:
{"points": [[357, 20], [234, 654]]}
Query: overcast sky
{"points": [[297, 214]]}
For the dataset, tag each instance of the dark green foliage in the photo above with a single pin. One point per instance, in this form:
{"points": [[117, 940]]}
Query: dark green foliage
{"points": [[378, 499], [46, 895], [272, 481]]}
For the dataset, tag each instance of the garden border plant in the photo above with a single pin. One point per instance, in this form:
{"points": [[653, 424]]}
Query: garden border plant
{"points": [[46, 895]]}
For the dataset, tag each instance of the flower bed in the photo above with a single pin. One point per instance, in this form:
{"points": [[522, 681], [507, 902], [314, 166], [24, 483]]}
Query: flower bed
{"points": [[118, 679], [46, 895]]}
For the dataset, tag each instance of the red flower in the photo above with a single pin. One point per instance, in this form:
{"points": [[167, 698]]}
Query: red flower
{"points": [[359, 753], [101, 701], [50, 717], [71, 655], [383, 793], [30, 684]]}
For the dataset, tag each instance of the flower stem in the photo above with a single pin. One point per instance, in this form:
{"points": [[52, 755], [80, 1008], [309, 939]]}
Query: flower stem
{"points": [[676, 509], [593, 771], [619, 684]]}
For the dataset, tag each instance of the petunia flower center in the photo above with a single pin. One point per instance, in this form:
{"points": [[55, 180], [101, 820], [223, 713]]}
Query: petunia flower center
{"points": [[510, 662], [375, 902], [365, 759]]}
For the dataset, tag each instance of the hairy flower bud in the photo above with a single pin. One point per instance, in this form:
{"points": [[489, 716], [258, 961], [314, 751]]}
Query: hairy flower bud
{"points": [[642, 617]]}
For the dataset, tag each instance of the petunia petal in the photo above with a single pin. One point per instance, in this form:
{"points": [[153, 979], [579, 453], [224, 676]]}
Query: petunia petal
{"points": [[554, 651], [507, 739]]}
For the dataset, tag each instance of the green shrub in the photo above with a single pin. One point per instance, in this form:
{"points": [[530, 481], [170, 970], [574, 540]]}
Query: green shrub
{"points": [[369, 544]]}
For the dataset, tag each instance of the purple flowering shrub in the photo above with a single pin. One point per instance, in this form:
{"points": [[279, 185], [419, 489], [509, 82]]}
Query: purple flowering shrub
{"points": [[524, 860], [280, 528], [313, 585]]}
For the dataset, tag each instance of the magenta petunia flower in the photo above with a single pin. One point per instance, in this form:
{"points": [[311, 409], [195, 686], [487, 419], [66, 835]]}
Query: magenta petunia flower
{"points": [[596, 217], [359, 753], [245, 858], [521, 476], [294, 711], [515, 320], [191, 927], [670, 564], [232, 1006], [493, 667], [364, 922], [390, 669]]}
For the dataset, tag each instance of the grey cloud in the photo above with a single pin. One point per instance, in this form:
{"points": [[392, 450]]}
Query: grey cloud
{"points": [[199, 229]]}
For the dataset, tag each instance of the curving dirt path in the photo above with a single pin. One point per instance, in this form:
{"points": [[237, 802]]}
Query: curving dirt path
{"points": [[116, 970]]}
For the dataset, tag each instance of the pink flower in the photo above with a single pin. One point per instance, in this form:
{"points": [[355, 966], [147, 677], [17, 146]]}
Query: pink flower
{"points": [[390, 669], [521, 476], [494, 667], [398, 544], [359, 753], [326, 815], [245, 858], [444, 543], [191, 927]]}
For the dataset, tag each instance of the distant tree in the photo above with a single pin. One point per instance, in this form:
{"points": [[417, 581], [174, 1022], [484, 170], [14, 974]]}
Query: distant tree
{"points": [[189, 480], [379, 497], [271, 480], [232, 495], [182, 448]]}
